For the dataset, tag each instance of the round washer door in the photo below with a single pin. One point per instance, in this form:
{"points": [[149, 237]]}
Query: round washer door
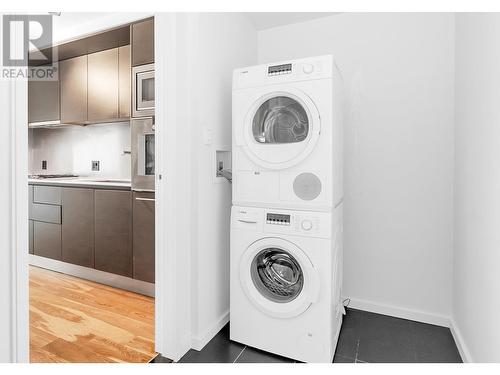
{"points": [[278, 278], [281, 129]]}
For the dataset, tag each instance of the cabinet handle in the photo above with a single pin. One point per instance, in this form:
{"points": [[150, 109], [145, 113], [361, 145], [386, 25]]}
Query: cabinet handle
{"points": [[145, 199]]}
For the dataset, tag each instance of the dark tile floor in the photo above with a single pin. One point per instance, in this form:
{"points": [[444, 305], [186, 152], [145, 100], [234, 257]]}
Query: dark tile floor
{"points": [[365, 337]]}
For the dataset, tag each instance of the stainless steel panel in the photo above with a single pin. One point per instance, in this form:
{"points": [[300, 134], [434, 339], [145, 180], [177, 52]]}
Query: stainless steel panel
{"points": [[144, 236], [141, 128], [141, 105]]}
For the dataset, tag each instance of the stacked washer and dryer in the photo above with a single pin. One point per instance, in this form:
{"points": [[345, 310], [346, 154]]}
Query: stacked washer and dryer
{"points": [[286, 219]]}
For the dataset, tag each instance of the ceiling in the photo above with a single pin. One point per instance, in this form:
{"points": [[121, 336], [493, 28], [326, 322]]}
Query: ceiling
{"points": [[268, 20], [261, 20]]}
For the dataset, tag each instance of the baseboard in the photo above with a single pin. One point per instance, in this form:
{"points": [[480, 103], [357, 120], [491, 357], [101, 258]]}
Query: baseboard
{"points": [[459, 341], [91, 274], [399, 312], [199, 342]]}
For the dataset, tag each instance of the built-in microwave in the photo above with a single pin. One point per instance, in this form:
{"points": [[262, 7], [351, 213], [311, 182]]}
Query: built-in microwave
{"points": [[143, 90], [143, 154]]}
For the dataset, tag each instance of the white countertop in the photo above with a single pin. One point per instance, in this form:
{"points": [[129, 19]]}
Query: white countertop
{"points": [[82, 181]]}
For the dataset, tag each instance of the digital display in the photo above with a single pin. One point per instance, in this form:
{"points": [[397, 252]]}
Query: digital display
{"points": [[279, 69], [279, 219]]}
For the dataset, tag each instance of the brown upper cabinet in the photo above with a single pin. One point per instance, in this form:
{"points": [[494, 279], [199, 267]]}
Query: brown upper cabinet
{"points": [[103, 85], [143, 42], [43, 101], [73, 81], [124, 81], [96, 87]]}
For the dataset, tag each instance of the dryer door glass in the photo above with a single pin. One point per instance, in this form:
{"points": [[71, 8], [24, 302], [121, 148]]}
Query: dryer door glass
{"points": [[277, 275], [280, 120]]}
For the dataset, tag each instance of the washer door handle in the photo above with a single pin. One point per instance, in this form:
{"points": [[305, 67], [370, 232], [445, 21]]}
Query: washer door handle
{"points": [[247, 221]]}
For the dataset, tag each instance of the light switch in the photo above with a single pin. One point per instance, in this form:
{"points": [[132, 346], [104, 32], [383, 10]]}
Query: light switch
{"points": [[207, 136]]}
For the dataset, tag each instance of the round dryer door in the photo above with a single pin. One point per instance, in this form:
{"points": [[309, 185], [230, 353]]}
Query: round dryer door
{"points": [[281, 129], [278, 278]]}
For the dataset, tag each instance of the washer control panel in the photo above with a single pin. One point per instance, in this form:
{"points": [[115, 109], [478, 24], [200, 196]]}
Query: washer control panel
{"points": [[282, 222], [313, 224], [279, 69], [277, 219]]}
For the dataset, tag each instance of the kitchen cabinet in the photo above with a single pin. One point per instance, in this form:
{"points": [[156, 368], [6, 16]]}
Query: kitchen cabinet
{"points": [[46, 212], [113, 231], [73, 86], [144, 236], [124, 81], [43, 101], [108, 230], [47, 194], [142, 41], [47, 240], [103, 85], [31, 240], [78, 226]]}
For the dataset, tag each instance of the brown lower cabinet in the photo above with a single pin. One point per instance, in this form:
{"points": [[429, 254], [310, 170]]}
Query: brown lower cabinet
{"points": [[47, 240], [113, 231], [31, 241], [78, 226], [109, 230], [144, 236]]}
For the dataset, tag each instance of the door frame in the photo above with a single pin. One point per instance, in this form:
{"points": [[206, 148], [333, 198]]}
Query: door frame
{"points": [[172, 288]]}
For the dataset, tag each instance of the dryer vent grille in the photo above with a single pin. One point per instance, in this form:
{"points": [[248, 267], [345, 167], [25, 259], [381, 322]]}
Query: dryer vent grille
{"points": [[307, 186]]}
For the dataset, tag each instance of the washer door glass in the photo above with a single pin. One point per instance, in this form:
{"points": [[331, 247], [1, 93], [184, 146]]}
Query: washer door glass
{"points": [[280, 119], [277, 275]]}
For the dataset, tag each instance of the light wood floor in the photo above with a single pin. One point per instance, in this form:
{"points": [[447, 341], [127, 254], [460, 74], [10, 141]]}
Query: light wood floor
{"points": [[74, 320]]}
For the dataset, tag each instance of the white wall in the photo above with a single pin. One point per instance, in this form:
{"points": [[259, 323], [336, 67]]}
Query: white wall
{"points": [[225, 41], [398, 72], [71, 149], [476, 288]]}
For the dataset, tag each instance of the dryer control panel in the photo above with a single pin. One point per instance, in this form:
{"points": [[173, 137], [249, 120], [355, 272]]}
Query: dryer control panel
{"points": [[319, 67]]}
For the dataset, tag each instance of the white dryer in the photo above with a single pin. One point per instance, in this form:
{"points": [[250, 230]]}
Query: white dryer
{"points": [[287, 135], [286, 278]]}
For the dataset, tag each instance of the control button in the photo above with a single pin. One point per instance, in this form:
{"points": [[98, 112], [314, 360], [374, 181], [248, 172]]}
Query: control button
{"points": [[307, 224], [308, 68]]}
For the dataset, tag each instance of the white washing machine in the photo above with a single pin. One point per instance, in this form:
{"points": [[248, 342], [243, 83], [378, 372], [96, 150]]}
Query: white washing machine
{"points": [[286, 278], [287, 135]]}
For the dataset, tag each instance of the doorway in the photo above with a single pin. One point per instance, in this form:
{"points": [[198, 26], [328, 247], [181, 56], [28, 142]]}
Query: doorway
{"points": [[172, 338]]}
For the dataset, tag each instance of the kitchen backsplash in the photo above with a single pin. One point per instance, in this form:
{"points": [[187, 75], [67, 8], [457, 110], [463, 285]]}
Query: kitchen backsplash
{"points": [[72, 149]]}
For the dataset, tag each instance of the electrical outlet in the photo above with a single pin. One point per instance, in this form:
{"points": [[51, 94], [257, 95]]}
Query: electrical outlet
{"points": [[95, 165], [44, 164]]}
